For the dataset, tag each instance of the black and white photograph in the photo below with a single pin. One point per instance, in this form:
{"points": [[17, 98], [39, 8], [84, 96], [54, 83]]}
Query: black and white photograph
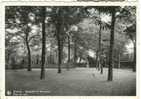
{"points": [[70, 50]]}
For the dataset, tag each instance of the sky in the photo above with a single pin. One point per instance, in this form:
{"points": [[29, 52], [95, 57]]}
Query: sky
{"points": [[105, 18]]}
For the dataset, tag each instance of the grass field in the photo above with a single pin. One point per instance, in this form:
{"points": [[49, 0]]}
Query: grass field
{"points": [[75, 82]]}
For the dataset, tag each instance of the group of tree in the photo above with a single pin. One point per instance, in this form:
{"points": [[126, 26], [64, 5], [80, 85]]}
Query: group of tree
{"points": [[79, 28]]}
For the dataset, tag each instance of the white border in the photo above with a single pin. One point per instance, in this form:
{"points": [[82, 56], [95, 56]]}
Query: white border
{"points": [[60, 3], [2, 46]]}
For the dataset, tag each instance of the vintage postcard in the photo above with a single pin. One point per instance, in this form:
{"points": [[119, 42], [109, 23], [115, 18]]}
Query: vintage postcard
{"points": [[70, 49]]}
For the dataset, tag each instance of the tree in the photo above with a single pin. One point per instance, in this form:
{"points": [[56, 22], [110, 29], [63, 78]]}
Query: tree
{"points": [[19, 18], [43, 12], [59, 29], [111, 10], [131, 32], [69, 51], [99, 50], [28, 49], [110, 69], [127, 18], [64, 18]]}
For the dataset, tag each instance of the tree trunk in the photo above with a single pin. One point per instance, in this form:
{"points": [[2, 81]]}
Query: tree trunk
{"points": [[59, 28], [134, 60], [37, 60], [29, 53], [101, 69], [50, 60], [105, 62], [68, 52], [80, 60], [7, 57], [75, 52], [102, 62], [62, 48], [59, 54], [43, 43], [97, 59], [119, 60], [13, 62], [98, 63], [110, 68], [99, 52]]}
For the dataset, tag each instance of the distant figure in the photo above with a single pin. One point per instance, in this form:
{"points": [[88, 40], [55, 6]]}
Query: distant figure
{"points": [[103, 59], [90, 61]]}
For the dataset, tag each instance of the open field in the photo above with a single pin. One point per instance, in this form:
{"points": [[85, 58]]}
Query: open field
{"points": [[75, 82]]}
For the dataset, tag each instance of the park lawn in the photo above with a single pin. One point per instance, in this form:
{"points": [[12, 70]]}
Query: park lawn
{"points": [[75, 82]]}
